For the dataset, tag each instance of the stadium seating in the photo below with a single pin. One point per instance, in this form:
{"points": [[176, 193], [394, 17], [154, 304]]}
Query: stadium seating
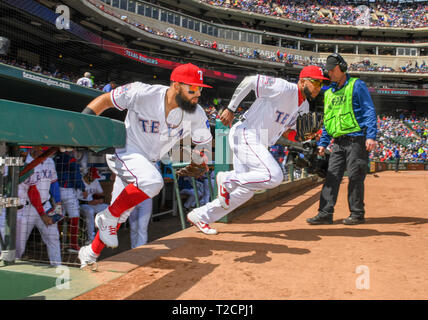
{"points": [[403, 15], [291, 57], [394, 133]]}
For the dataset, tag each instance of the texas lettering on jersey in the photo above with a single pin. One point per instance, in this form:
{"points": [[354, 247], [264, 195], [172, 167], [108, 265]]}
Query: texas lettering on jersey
{"points": [[38, 176], [147, 127], [150, 126], [282, 117], [268, 81], [171, 132]]}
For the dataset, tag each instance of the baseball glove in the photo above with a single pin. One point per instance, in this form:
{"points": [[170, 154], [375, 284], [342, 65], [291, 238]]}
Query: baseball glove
{"points": [[308, 124], [193, 170]]}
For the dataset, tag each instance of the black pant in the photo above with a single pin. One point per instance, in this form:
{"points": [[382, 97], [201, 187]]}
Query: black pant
{"points": [[397, 163], [348, 154]]}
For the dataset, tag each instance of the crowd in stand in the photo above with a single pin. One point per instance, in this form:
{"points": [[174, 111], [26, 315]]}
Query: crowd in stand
{"points": [[49, 71], [367, 65], [418, 125], [411, 140], [282, 57], [394, 136], [415, 67], [334, 12]]}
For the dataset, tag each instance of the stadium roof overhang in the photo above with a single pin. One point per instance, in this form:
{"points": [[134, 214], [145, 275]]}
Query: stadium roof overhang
{"points": [[156, 45], [262, 20], [138, 39]]}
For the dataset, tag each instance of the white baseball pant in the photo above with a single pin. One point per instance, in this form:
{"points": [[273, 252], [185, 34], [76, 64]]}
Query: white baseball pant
{"points": [[50, 234], [135, 168], [254, 168], [70, 202], [18, 248]]}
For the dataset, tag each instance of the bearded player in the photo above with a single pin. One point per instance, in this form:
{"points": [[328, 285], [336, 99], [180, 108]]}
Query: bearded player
{"points": [[273, 113], [158, 117]]}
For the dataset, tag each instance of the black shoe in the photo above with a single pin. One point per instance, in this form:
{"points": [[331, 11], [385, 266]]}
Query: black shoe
{"points": [[320, 219], [352, 220]]}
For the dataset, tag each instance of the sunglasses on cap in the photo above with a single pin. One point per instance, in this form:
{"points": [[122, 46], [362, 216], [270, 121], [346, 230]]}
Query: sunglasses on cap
{"points": [[193, 89], [315, 82]]}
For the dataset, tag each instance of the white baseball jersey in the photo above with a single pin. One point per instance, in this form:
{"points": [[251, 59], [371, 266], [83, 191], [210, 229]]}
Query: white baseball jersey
{"points": [[276, 108], [85, 82], [93, 188], [147, 130], [254, 168], [44, 174]]}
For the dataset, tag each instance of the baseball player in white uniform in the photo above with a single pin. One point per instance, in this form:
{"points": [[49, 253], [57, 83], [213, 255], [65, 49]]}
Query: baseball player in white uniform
{"points": [[158, 117], [85, 81], [36, 190], [275, 110], [93, 202]]}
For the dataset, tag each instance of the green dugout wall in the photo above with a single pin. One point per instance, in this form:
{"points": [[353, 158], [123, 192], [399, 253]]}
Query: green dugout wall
{"points": [[25, 124], [34, 88]]}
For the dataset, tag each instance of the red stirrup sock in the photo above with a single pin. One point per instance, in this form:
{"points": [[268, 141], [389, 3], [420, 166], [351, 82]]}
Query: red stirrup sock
{"points": [[128, 198], [97, 245], [74, 233]]}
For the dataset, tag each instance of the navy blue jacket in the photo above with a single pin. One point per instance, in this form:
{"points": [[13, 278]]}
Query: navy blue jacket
{"points": [[68, 171], [397, 154]]}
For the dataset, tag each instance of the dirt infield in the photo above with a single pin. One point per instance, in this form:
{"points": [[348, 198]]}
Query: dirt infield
{"points": [[272, 253]]}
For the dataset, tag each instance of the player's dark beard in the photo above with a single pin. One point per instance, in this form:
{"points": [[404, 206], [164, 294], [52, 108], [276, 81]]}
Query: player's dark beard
{"points": [[307, 94], [184, 104]]}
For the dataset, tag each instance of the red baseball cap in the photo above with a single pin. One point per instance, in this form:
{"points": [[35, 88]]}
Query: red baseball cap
{"points": [[94, 173], [312, 72], [189, 74]]}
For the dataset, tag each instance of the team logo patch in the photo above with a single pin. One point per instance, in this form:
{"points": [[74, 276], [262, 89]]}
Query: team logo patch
{"points": [[269, 81], [124, 89]]}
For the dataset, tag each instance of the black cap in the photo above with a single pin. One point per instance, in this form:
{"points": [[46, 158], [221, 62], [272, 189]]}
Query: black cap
{"points": [[332, 61]]}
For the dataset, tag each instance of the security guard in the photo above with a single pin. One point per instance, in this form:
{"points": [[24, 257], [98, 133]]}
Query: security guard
{"points": [[350, 119]]}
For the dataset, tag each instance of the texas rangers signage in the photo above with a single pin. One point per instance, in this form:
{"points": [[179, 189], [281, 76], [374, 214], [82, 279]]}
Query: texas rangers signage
{"points": [[140, 57], [400, 92]]}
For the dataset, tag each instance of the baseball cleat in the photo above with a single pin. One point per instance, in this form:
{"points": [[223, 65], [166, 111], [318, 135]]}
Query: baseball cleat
{"points": [[107, 226], [87, 258], [222, 194], [204, 227]]}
